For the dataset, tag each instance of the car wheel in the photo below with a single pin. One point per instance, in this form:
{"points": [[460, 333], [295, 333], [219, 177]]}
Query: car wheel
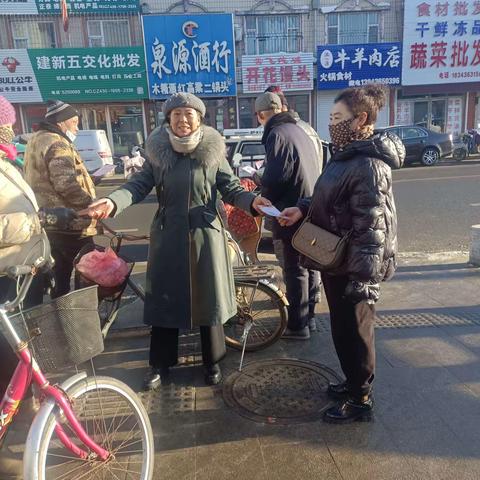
{"points": [[430, 156]]}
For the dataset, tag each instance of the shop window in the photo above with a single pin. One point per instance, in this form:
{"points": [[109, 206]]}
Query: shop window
{"points": [[353, 27], [108, 33], [127, 127], [33, 115], [272, 34], [30, 34]]}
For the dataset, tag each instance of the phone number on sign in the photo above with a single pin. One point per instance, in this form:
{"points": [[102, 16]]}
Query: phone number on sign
{"points": [[109, 90], [384, 81]]}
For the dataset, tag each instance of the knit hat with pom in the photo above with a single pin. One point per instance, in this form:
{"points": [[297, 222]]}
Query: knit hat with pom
{"points": [[7, 112]]}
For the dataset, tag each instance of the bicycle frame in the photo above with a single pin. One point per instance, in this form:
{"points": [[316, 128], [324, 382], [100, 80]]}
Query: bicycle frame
{"points": [[27, 371]]}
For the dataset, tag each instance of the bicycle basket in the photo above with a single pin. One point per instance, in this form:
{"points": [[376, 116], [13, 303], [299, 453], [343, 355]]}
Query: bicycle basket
{"points": [[65, 332], [104, 293]]}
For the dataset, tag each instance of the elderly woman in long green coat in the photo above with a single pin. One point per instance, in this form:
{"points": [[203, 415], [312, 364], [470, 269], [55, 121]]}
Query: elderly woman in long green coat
{"points": [[189, 276]]}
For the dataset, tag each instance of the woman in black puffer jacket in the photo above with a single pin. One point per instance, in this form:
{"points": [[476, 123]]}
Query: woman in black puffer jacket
{"points": [[354, 193]]}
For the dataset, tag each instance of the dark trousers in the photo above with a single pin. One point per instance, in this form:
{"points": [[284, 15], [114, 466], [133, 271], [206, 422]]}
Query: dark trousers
{"points": [[296, 280], [314, 291], [353, 335], [164, 346], [64, 250]]}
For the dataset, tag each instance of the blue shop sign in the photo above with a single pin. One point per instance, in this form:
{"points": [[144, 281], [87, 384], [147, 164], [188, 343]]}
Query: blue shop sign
{"points": [[342, 66], [190, 53]]}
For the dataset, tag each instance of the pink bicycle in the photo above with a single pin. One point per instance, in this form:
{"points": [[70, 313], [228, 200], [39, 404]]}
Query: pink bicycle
{"points": [[88, 427]]}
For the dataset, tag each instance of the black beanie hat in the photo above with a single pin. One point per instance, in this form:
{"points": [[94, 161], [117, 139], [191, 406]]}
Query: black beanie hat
{"points": [[58, 111]]}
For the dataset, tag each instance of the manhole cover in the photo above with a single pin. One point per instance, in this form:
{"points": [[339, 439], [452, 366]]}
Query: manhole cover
{"points": [[280, 391]]}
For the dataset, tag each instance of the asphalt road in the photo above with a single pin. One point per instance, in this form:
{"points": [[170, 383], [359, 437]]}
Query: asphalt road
{"points": [[436, 207]]}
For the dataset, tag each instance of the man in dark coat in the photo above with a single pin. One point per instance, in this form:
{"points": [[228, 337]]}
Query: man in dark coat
{"points": [[314, 282], [291, 170]]}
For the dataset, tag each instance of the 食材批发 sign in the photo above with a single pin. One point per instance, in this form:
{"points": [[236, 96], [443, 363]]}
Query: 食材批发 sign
{"points": [[441, 42], [190, 53]]}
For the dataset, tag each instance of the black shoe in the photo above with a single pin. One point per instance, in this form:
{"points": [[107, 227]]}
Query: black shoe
{"points": [[213, 374], [339, 391], [350, 411], [302, 334], [154, 377], [11, 465]]}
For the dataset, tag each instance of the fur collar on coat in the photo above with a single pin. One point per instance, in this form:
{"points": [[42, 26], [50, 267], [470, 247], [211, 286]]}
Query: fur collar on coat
{"points": [[209, 153]]}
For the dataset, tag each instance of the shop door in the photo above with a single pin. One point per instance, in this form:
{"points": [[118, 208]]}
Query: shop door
{"points": [[420, 114], [437, 117]]}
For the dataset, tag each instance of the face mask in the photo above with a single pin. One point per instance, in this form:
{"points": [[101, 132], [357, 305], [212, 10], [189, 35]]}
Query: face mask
{"points": [[71, 136], [6, 135], [341, 133]]}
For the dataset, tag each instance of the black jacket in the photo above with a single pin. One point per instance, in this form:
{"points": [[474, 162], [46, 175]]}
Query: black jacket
{"points": [[291, 166], [355, 193]]}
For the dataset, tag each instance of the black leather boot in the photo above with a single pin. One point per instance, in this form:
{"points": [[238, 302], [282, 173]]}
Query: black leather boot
{"points": [[213, 374], [154, 377], [339, 391], [351, 410]]}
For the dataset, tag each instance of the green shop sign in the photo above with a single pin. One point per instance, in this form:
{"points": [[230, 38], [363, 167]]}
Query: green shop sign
{"points": [[90, 74], [89, 6]]}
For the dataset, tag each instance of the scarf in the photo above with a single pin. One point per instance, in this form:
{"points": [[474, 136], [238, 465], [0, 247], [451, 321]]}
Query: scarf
{"points": [[185, 144]]}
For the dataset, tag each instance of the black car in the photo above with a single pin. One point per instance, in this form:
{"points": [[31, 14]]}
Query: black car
{"points": [[422, 145]]}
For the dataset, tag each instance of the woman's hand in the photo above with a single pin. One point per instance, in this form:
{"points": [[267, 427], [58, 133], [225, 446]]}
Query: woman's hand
{"points": [[99, 209], [290, 216], [261, 202]]}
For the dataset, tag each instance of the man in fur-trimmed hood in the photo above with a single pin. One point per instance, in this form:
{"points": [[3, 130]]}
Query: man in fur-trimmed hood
{"points": [[189, 275]]}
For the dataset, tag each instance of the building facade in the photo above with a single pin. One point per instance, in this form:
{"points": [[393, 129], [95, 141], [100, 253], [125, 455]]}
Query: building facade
{"points": [[101, 60]]}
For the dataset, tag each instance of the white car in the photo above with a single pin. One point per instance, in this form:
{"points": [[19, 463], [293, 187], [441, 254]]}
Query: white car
{"points": [[93, 147]]}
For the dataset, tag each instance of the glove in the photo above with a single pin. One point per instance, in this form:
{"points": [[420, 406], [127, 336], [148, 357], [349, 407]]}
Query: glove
{"points": [[356, 292], [58, 218]]}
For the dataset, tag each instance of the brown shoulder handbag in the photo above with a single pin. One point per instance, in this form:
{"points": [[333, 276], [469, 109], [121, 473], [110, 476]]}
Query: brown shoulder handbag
{"points": [[323, 250]]}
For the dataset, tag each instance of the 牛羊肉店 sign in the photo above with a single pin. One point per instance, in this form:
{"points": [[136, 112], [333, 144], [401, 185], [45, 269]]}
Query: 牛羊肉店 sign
{"points": [[73, 74]]}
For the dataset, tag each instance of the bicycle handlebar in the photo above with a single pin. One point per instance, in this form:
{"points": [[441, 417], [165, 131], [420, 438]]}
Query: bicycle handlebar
{"points": [[123, 236]]}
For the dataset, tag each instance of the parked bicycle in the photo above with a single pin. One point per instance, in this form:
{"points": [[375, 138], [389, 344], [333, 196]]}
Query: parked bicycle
{"points": [[261, 306], [88, 427]]}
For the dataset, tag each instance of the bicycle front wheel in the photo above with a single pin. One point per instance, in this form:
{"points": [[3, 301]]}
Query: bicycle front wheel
{"points": [[265, 306], [114, 417]]}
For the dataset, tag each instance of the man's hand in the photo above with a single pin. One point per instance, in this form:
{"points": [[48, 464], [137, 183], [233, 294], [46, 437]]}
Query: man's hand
{"points": [[356, 292], [261, 202], [99, 209], [290, 216], [58, 218]]}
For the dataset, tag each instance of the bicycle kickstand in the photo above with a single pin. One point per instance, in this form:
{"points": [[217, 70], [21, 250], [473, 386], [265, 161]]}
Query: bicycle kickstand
{"points": [[246, 330]]}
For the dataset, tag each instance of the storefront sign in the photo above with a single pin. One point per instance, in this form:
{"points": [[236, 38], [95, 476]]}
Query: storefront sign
{"points": [[190, 53], [32, 7], [404, 114], [17, 78], [441, 42], [454, 115], [341, 66], [74, 74], [290, 71]]}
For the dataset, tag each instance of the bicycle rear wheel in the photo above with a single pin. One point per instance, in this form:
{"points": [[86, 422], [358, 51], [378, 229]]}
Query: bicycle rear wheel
{"points": [[114, 417], [262, 303]]}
